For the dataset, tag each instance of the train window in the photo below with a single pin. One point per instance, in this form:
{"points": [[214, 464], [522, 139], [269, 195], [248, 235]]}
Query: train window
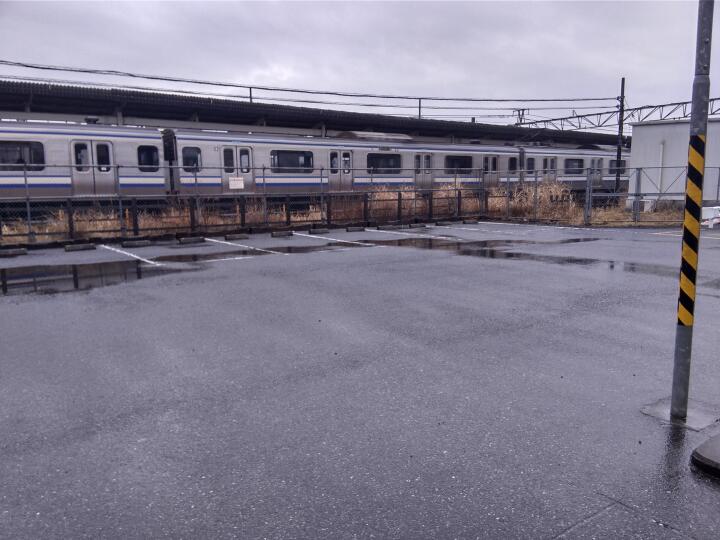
{"points": [[244, 160], [346, 162], [17, 155], [384, 163], [512, 164], [552, 165], [229, 159], [148, 158], [428, 163], [530, 164], [574, 166], [102, 157], [81, 154], [291, 161], [617, 166], [458, 164], [192, 159], [334, 163], [418, 164]]}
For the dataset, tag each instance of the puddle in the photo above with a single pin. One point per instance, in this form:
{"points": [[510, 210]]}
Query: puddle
{"points": [[73, 277], [498, 249], [209, 257]]}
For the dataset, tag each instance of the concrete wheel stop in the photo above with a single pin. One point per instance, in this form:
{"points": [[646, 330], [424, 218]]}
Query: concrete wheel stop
{"points": [[707, 456], [700, 414]]}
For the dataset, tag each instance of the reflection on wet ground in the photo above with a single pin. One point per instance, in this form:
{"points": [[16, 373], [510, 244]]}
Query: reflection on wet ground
{"points": [[209, 257], [58, 278], [499, 249], [73, 277]]}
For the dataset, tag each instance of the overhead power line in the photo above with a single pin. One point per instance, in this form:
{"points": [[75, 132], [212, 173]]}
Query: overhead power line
{"points": [[250, 87]]}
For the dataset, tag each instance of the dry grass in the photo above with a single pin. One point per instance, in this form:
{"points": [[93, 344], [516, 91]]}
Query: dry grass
{"points": [[552, 202]]}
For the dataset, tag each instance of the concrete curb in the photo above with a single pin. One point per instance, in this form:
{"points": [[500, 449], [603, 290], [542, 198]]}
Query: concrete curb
{"points": [[417, 226], [355, 229], [135, 243], [13, 252], [707, 456], [444, 223], [318, 231], [470, 221], [388, 227], [80, 247], [236, 236], [280, 234], [191, 240]]}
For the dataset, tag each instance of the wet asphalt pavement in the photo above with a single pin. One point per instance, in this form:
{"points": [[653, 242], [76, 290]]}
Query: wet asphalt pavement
{"points": [[472, 381]]}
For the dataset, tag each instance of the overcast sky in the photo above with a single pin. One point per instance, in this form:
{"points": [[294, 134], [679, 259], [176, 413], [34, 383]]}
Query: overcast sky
{"points": [[482, 49]]}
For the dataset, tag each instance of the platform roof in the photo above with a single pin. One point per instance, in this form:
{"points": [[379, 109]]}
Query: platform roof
{"points": [[71, 99]]}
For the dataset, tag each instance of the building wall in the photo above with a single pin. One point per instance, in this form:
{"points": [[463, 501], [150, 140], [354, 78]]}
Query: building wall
{"points": [[661, 150]]}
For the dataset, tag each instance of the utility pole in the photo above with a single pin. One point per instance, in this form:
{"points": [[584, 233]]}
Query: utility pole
{"points": [[693, 211], [621, 119], [419, 108]]}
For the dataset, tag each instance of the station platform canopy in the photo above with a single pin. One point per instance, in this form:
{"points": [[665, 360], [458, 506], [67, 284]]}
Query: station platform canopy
{"points": [[75, 101]]}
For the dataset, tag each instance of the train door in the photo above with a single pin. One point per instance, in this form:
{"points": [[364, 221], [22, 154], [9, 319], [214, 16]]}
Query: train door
{"points": [[237, 169], [423, 171], [596, 166], [346, 170], [334, 176], [549, 168], [93, 172], [490, 170]]}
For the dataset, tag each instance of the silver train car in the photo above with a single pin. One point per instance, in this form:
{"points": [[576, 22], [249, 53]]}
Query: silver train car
{"points": [[60, 160]]}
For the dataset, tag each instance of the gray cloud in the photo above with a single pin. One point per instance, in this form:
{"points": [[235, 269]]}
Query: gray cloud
{"points": [[484, 49]]}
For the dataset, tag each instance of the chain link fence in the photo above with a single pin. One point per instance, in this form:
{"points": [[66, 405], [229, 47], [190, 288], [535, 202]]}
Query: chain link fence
{"points": [[643, 197]]}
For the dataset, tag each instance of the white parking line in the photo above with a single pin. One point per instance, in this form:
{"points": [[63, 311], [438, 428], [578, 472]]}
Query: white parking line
{"points": [[245, 246], [228, 259], [128, 254], [702, 236], [335, 239]]}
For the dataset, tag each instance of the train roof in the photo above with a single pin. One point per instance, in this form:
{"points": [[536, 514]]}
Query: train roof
{"points": [[85, 99], [379, 145]]}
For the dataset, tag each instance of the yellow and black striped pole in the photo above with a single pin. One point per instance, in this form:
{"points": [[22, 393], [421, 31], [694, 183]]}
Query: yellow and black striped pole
{"points": [[693, 213]]}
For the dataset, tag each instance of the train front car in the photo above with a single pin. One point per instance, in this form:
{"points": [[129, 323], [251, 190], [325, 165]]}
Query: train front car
{"points": [[51, 160]]}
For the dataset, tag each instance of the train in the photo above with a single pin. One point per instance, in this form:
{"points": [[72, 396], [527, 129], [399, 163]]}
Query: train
{"points": [[46, 159]]}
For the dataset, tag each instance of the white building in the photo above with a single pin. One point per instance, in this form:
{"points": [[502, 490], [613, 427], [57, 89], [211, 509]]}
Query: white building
{"points": [[660, 149]]}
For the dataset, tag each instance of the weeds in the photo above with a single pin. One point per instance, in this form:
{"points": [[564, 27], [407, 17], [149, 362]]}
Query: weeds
{"points": [[545, 202]]}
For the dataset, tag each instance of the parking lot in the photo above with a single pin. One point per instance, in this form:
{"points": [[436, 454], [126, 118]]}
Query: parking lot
{"points": [[462, 381]]}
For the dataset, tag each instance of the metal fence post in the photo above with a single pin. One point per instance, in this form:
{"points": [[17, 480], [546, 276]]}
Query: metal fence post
{"points": [[193, 216], [121, 218], [135, 220], [28, 212], [507, 199], [535, 197], [458, 208], [265, 208], [328, 212], [430, 205], [366, 208], [636, 197], [288, 216], [588, 198], [399, 206], [70, 219], [243, 210]]}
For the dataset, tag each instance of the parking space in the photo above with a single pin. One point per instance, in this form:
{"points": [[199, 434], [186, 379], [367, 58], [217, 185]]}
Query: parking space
{"points": [[464, 380]]}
